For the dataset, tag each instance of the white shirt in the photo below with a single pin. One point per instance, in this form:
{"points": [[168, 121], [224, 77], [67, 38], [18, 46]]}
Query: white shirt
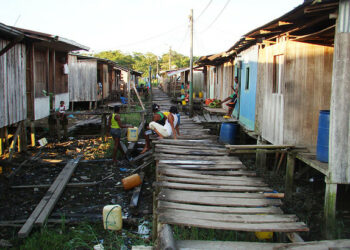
{"points": [[167, 125]]}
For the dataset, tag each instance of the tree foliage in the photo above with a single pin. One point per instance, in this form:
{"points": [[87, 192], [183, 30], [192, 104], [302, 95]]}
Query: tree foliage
{"points": [[141, 62]]}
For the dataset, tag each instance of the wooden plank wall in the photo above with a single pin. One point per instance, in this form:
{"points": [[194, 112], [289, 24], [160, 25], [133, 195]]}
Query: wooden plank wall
{"points": [[270, 113], [61, 80], [308, 81], [105, 82], [13, 102], [227, 81], [82, 80], [292, 116]]}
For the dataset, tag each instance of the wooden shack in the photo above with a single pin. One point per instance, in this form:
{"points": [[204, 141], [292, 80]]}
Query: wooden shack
{"points": [[13, 106], [47, 72]]}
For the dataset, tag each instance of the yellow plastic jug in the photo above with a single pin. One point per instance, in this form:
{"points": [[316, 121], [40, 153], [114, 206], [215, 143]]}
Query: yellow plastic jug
{"points": [[264, 235], [200, 94], [194, 95], [133, 134], [184, 103], [112, 217]]}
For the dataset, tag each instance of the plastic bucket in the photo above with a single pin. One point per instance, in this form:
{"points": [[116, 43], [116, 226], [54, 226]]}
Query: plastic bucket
{"points": [[323, 136], [131, 181], [228, 132]]}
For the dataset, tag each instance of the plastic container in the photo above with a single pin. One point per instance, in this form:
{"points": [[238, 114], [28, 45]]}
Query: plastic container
{"points": [[323, 136], [133, 134], [200, 94], [264, 235], [131, 181], [194, 95], [228, 132], [183, 102], [112, 217], [124, 100]]}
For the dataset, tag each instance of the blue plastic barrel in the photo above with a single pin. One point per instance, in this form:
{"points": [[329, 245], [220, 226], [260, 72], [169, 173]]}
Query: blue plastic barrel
{"points": [[323, 136], [228, 132], [124, 100]]}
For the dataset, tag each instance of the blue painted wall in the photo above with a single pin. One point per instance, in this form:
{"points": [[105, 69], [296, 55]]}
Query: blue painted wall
{"points": [[246, 102]]}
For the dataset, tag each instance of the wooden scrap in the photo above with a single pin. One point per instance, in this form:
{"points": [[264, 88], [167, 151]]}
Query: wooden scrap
{"points": [[15, 138], [51, 196], [166, 238], [136, 194]]}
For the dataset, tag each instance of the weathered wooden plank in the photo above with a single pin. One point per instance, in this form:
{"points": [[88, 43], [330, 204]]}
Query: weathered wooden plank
{"points": [[58, 191], [252, 183], [220, 209], [190, 152], [228, 175], [135, 196], [216, 158], [197, 147], [234, 218], [208, 143], [251, 227], [262, 146], [166, 238], [27, 227], [169, 192], [204, 167], [187, 197], [212, 187]]}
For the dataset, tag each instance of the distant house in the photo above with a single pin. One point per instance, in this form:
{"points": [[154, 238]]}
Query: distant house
{"points": [[47, 71]]}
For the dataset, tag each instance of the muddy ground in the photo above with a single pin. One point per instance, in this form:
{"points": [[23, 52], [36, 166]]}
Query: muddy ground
{"points": [[76, 203]]}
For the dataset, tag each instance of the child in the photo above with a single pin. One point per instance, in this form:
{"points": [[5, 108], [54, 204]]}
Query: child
{"points": [[63, 118], [114, 129], [233, 100]]}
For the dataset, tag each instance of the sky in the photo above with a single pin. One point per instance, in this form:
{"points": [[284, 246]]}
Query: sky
{"points": [[145, 25]]}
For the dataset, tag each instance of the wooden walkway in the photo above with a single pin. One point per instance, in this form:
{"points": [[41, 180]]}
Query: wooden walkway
{"points": [[199, 185]]}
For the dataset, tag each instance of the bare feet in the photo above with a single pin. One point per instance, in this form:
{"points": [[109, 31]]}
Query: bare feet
{"points": [[145, 150]]}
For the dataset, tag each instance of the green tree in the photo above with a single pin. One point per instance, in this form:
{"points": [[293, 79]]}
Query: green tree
{"points": [[118, 57]]}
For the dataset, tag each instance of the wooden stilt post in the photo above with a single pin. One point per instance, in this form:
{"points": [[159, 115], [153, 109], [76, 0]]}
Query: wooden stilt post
{"points": [[58, 127], [289, 175], [14, 141], [32, 133], [95, 105], [260, 155], [6, 134], [90, 105], [1, 141], [330, 201], [72, 106]]}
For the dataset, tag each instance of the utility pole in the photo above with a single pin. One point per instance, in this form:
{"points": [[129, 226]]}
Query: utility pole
{"points": [[191, 64], [150, 81], [157, 70], [169, 57]]}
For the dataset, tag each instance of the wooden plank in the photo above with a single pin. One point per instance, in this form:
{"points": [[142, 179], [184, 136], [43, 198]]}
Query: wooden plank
{"points": [[215, 118], [166, 238], [190, 152], [211, 187], [205, 167], [188, 197], [252, 183], [208, 143], [198, 147], [216, 158], [165, 193], [15, 138], [27, 227], [220, 209], [234, 218], [207, 117], [253, 227], [136, 194], [71, 165], [262, 146], [214, 175]]}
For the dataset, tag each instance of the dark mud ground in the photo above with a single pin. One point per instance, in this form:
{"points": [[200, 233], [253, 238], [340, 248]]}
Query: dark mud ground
{"points": [[76, 203], [307, 201]]}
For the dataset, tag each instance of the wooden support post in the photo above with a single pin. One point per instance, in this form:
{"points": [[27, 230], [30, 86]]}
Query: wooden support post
{"points": [[6, 135], [260, 156], [330, 201], [95, 105], [155, 219], [14, 141], [58, 128], [72, 106], [289, 175], [166, 238], [103, 125], [32, 133], [90, 105], [1, 141]]}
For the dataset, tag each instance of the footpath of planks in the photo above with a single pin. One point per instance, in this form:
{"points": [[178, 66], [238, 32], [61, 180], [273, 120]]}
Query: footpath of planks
{"points": [[198, 184]]}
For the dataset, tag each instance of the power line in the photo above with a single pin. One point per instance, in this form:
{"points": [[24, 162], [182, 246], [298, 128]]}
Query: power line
{"points": [[183, 40], [216, 18], [206, 7]]}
